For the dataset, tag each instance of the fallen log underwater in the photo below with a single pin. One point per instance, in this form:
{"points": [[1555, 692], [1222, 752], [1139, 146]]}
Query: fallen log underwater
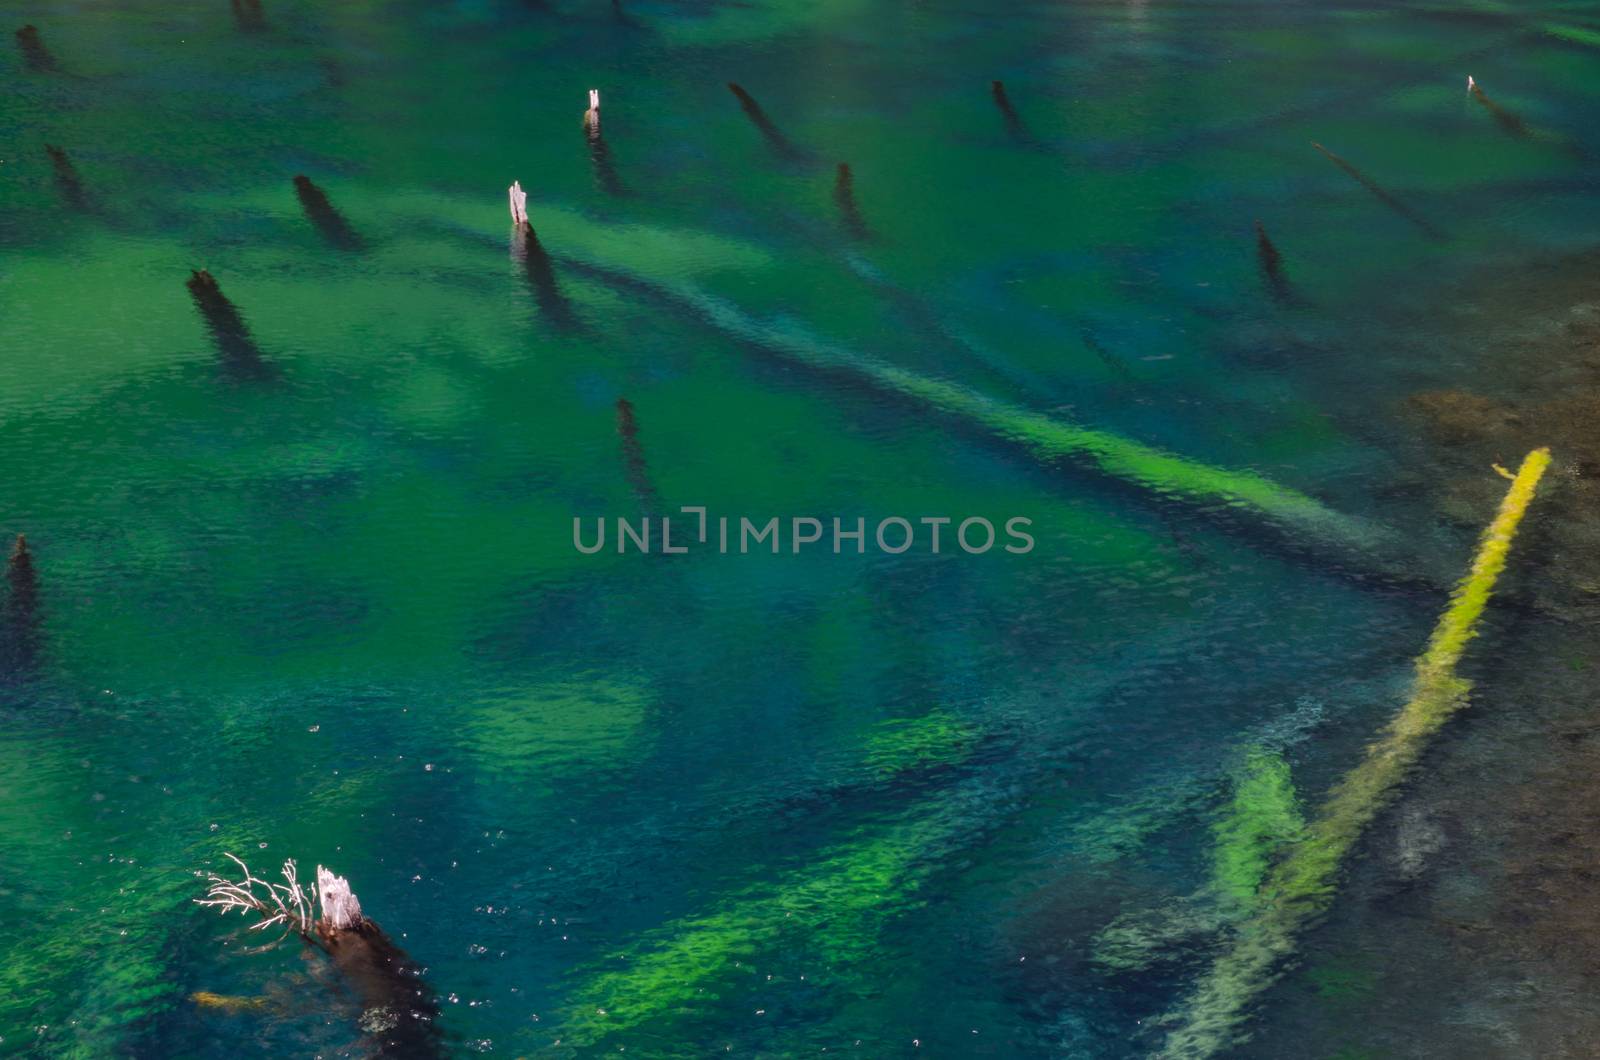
{"points": [[780, 144], [1508, 121], [1303, 884], [1383, 195], [1051, 438]]}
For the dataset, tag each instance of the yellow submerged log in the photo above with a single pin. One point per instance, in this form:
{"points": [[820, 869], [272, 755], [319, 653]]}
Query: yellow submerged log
{"points": [[229, 1003], [1303, 884]]}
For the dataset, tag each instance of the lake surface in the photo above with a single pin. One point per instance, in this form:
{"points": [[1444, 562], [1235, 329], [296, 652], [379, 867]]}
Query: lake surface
{"points": [[313, 593]]}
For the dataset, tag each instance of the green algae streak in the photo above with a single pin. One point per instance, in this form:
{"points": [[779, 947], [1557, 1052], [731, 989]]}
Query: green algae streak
{"points": [[1304, 883], [1261, 818], [900, 745], [833, 909], [1575, 34]]}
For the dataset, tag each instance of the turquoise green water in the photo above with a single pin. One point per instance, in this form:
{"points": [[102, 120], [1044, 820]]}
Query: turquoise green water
{"points": [[758, 805]]}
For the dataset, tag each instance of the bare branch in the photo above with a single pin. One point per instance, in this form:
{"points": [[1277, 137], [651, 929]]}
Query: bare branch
{"points": [[276, 903]]}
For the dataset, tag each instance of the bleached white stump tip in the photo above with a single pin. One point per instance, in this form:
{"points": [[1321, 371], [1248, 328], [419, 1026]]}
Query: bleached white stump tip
{"points": [[340, 909], [519, 203]]}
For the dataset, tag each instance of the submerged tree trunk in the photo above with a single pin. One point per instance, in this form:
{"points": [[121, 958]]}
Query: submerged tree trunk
{"points": [[399, 1013], [398, 1010], [20, 638]]}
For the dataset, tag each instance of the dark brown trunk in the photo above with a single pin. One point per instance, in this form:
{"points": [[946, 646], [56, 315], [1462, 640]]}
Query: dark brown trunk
{"points": [[399, 1012], [541, 275], [228, 330], [1382, 195], [249, 16], [1271, 264], [34, 54], [844, 196], [758, 117], [21, 634], [324, 216], [633, 457], [67, 180], [1013, 120]]}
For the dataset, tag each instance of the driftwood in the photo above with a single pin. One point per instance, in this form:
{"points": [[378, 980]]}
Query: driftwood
{"points": [[399, 1013]]}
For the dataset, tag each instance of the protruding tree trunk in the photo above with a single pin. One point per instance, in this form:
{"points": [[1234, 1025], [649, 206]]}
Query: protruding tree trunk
{"points": [[605, 169], [519, 203], [1381, 194]]}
